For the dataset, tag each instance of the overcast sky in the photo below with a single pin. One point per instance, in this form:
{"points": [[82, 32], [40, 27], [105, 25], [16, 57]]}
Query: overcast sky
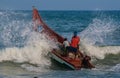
{"points": [[61, 4]]}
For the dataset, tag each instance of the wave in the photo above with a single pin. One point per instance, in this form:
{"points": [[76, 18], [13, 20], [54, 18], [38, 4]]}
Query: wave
{"points": [[97, 39], [100, 52], [20, 44], [34, 52]]}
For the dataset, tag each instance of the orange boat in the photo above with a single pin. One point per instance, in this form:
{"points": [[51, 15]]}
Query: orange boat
{"points": [[75, 64]]}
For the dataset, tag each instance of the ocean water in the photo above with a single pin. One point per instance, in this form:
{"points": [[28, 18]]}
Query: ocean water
{"points": [[23, 52]]}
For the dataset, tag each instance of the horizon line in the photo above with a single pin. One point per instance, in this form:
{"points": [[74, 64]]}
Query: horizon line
{"points": [[95, 9]]}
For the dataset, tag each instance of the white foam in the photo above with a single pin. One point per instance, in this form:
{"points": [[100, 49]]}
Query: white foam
{"points": [[37, 47], [97, 31], [34, 68], [100, 52]]}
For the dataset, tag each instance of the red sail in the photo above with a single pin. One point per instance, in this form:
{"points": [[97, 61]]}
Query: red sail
{"points": [[39, 22]]}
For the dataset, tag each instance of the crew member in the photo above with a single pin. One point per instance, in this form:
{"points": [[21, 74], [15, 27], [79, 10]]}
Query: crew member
{"points": [[66, 46], [74, 46]]}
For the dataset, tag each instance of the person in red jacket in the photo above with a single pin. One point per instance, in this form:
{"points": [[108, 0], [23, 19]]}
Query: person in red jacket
{"points": [[75, 41], [74, 45]]}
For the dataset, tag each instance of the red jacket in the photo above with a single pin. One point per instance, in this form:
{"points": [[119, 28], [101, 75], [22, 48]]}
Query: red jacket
{"points": [[75, 41]]}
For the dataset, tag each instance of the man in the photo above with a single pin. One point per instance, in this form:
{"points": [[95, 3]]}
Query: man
{"points": [[74, 46], [75, 40], [66, 46], [66, 43]]}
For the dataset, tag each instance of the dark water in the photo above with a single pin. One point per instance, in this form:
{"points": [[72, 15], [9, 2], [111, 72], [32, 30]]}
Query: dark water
{"points": [[23, 52]]}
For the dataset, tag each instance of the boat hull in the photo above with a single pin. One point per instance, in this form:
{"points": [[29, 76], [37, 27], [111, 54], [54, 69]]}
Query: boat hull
{"points": [[74, 64]]}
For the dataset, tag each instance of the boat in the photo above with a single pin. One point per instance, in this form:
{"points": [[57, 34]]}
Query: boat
{"points": [[56, 54]]}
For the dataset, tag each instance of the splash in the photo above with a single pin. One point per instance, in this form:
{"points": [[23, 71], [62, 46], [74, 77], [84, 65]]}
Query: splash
{"points": [[99, 31], [21, 44], [13, 31], [98, 34]]}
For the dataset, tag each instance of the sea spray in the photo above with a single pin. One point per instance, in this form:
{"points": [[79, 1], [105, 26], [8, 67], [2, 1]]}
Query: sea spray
{"points": [[21, 43], [34, 52], [95, 36], [13, 31], [18, 42], [99, 52], [98, 31]]}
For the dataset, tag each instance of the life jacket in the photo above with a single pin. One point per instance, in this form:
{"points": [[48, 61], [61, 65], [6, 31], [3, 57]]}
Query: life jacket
{"points": [[75, 41]]}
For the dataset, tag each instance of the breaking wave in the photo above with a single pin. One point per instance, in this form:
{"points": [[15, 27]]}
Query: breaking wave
{"points": [[22, 45], [98, 38]]}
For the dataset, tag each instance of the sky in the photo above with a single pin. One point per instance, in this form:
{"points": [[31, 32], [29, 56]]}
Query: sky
{"points": [[60, 4]]}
